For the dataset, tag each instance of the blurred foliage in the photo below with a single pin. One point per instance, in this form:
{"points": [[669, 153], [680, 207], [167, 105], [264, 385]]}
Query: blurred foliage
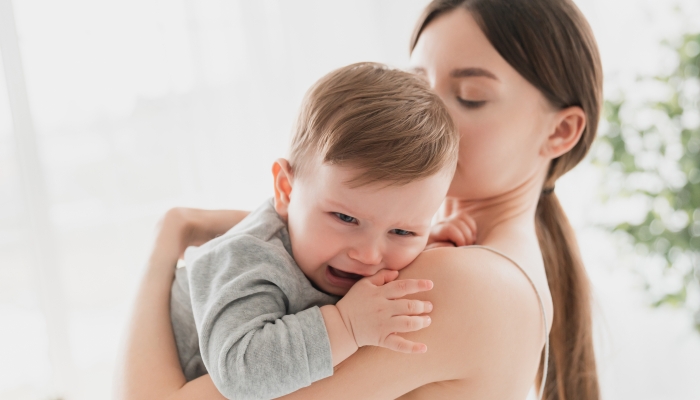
{"points": [[650, 147]]}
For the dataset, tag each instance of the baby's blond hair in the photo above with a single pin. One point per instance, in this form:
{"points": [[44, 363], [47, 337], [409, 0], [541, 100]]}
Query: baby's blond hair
{"points": [[384, 122]]}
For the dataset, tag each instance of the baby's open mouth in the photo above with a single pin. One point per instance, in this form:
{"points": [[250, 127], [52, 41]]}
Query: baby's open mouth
{"points": [[344, 275]]}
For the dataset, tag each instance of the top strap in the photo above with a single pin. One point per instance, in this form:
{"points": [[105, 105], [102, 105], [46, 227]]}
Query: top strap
{"points": [[544, 315]]}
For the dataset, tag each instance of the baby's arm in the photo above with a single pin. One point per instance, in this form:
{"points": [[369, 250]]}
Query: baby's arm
{"points": [[372, 312], [250, 345], [456, 230]]}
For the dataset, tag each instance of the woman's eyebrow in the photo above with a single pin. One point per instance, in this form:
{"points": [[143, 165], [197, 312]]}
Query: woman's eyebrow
{"points": [[472, 72]]}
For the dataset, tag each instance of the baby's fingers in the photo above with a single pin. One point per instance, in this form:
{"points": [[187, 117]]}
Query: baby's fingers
{"points": [[449, 232], [455, 233], [468, 228], [397, 343], [435, 245], [403, 287], [382, 277], [410, 307], [472, 224], [405, 323]]}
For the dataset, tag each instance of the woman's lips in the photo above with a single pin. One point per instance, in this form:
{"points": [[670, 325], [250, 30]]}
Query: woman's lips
{"points": [[341, 278]]}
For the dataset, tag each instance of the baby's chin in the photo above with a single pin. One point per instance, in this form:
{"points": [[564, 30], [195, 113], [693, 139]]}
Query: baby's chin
{"points": [[328, 289]]}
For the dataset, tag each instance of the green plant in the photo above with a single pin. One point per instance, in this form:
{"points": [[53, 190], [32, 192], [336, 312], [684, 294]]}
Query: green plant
{"points": [[651, 148]]}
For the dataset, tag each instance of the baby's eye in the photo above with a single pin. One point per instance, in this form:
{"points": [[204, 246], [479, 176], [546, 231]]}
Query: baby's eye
{"points": [[345, 218], [401, 232]]}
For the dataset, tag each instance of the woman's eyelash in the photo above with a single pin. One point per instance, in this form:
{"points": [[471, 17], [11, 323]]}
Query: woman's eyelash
{"points": [[345, 218], [471, 103], [402, 232]]}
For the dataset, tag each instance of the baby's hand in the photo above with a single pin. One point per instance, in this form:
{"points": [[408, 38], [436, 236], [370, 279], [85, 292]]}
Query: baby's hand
{"points": [[373, 311], [457, 230]]}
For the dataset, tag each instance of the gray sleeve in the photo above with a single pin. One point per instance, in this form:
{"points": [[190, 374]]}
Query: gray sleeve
{"points": [[184, 328], [251, 349]]}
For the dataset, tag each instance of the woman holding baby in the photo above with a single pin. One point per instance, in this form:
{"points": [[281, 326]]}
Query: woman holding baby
{"points": [[522, 82]]}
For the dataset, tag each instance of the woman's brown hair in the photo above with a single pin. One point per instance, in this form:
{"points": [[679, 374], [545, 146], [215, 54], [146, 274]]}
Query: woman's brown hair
{"points": [[551, 45]]}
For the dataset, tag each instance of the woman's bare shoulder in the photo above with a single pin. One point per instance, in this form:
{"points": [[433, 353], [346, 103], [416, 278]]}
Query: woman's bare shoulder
{"points": [[486, 317], [481, 271], [485, 338]]}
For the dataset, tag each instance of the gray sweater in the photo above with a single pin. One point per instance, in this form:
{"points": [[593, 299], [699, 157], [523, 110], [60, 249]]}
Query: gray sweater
{"points": [[261, 333]]}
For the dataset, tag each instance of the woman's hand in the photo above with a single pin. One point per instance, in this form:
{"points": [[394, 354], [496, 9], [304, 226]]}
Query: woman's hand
{"points": [[149, 367], [183, 227]]}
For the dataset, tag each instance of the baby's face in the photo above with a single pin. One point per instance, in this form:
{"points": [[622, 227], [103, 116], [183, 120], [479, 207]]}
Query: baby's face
{"points": [[340, 234]]}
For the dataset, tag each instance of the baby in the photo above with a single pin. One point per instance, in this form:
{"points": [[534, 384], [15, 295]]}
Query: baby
{"points": [[371, 159]]}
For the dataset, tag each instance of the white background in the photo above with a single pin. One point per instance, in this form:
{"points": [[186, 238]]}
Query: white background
{"points": [[142, 105]]}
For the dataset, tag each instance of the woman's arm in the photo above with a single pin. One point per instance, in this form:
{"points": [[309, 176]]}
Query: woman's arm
{"points": [[486, 333], [150, 368]]}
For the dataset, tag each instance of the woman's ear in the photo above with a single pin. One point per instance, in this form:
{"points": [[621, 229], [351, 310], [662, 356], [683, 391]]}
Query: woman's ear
{"points": [[282, 174], [569, 124]]}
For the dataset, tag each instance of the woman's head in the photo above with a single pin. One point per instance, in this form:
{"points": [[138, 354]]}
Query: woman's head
{"points": [[522, 80]]}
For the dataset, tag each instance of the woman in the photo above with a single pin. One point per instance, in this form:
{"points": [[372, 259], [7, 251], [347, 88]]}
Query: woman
{"points": [[523, 82]]}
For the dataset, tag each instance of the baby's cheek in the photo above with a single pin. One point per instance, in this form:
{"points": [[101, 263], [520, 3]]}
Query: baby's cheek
{"points": [[406, 256]]}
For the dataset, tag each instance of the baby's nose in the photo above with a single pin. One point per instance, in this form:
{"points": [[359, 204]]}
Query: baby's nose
{"points": [[370, 255]]}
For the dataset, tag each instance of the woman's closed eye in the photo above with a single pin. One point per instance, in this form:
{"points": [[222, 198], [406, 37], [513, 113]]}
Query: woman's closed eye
{"points": [[401, 232], [471, 103], [345, 218]]}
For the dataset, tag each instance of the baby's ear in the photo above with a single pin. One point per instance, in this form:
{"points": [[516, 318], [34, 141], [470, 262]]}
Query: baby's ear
{"points": [[282, 173]]}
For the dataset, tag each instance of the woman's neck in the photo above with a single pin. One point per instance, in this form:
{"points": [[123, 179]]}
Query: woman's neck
{"points": [[513, 208]]}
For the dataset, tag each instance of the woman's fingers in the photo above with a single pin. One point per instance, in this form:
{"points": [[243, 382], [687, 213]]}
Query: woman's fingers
{"points": [[403, 287], [397, 343], [204, 225]]}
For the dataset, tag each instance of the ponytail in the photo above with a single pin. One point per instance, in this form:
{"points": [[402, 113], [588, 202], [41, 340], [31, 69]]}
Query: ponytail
{"points": [[572, 368]]}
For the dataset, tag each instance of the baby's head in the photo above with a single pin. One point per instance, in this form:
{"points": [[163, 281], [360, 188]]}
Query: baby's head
{"points": [[371, 159]]}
